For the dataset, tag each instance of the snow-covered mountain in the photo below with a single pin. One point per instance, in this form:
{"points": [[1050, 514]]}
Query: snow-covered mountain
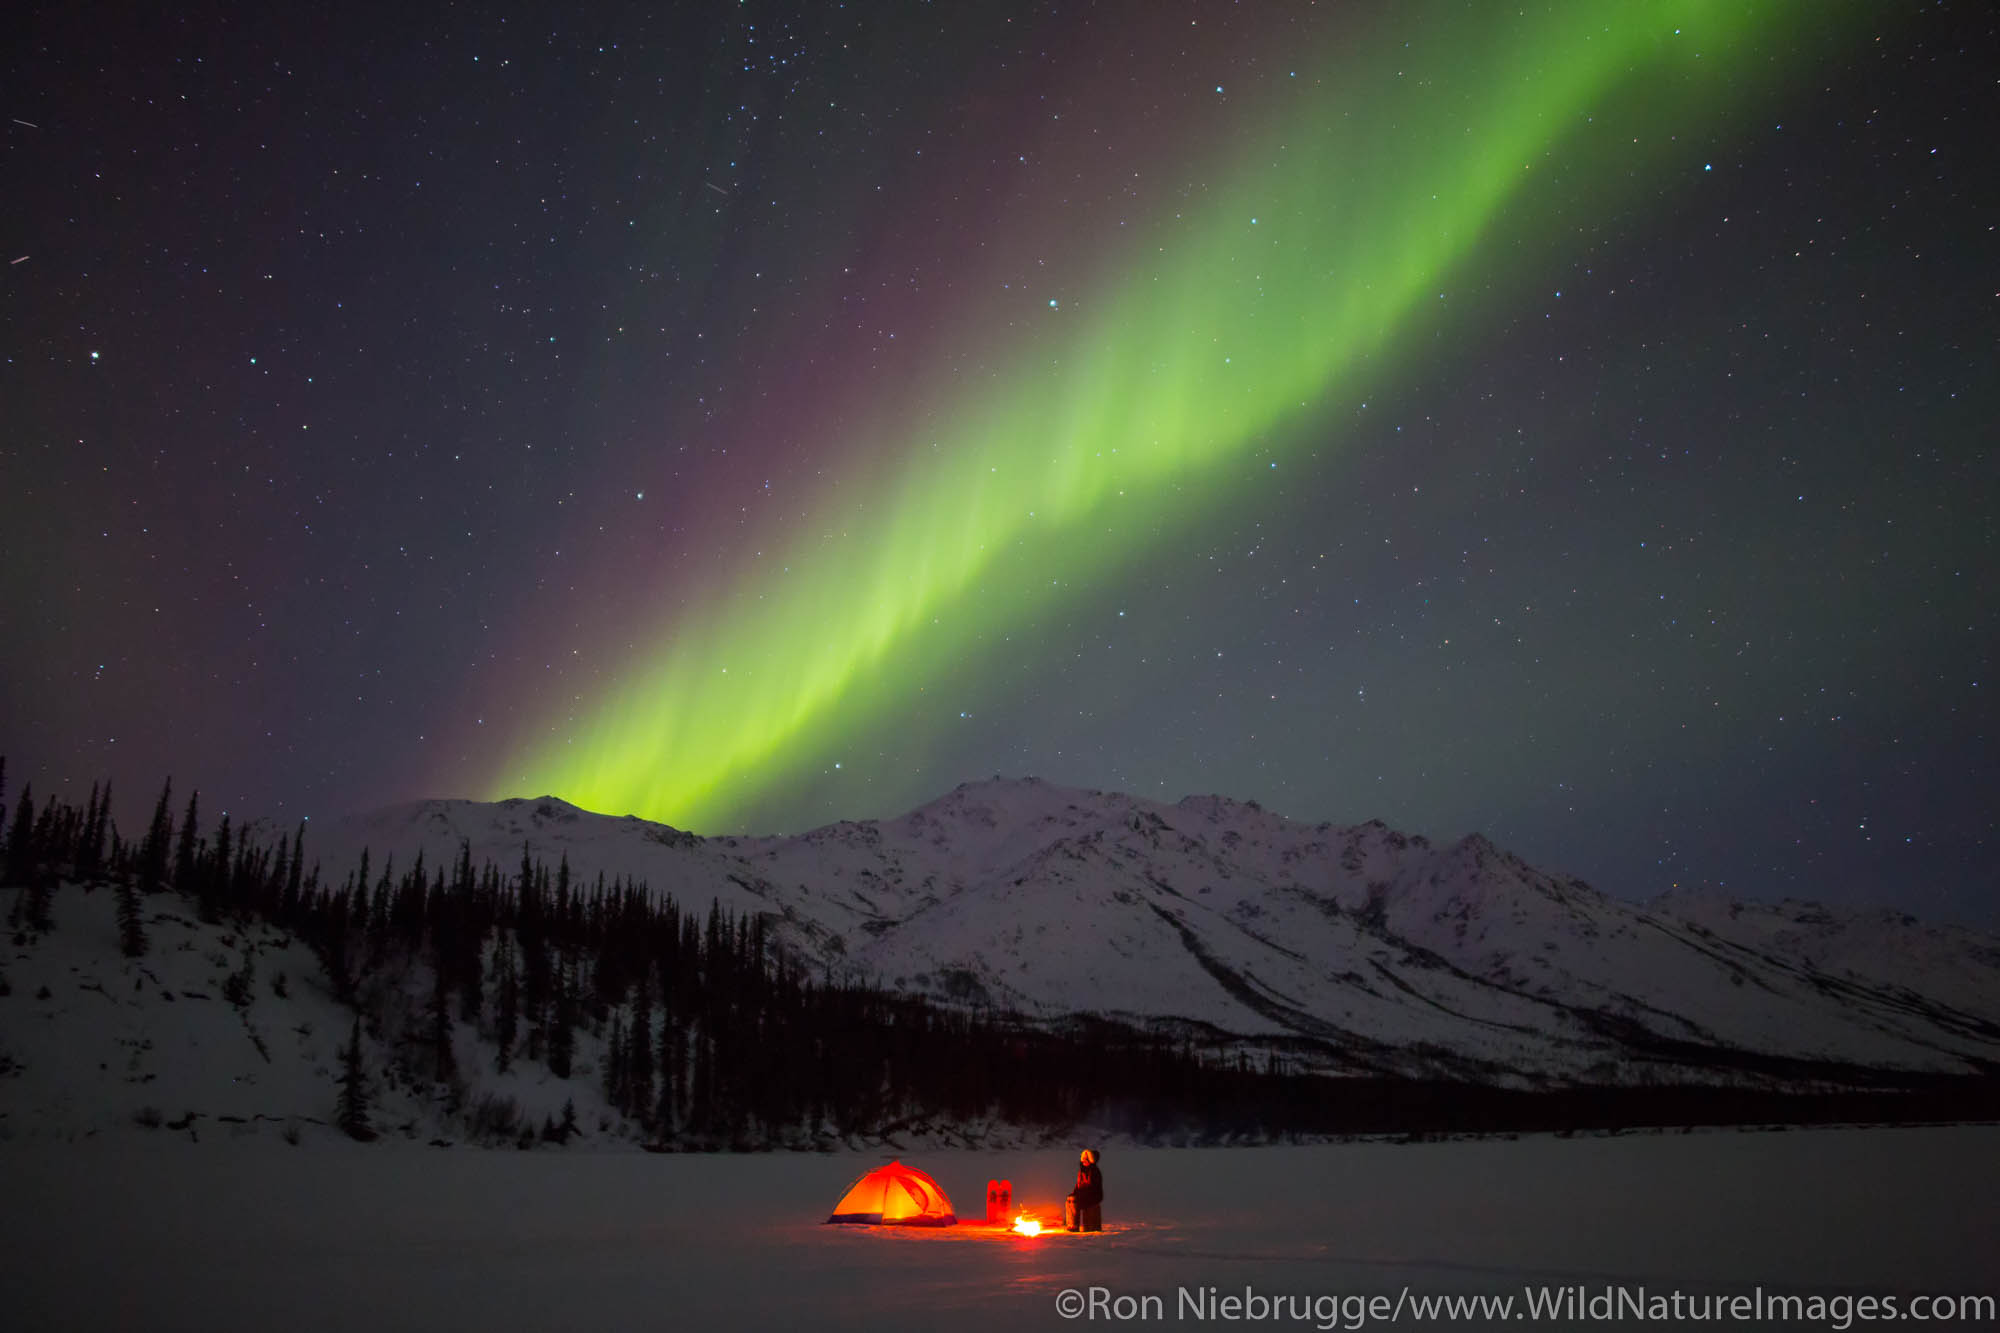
{"points": [[1371, 950]]}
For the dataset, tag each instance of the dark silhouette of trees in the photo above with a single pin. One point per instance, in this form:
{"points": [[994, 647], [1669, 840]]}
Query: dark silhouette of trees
{"points": [[351, 1111], [131, 921], [213, 876], [444, 1058], [21, 839], [89, 854], [187, 856], [637, 1082], [506, 1003], [32, 840], [153, 850], [562, 1025]]}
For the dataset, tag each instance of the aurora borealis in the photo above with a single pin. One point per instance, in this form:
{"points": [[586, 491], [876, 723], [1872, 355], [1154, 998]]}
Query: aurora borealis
{"points": [[1562, 422], [1214, 328]]}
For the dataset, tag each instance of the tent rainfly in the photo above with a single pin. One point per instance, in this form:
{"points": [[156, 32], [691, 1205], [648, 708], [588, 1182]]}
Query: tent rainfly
{"points": [[895, 1195]]}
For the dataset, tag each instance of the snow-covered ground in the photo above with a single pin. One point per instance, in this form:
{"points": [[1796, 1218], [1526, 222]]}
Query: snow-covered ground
{"points": [[152, 1231], [92, 1042]]}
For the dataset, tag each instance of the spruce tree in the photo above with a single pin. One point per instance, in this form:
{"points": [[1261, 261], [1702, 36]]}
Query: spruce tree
{"points": [[562, 1027], [131, 924], [469, 964], [103, 824], [49, 827], [444, 1058], [90, 856], [26, 848], [639, 1059], [153, 852], [614, 1063], [186, 863], [81, 862], [667, 1116], [296, 871], [506, 1002], [357, 888], [352, 1110], [215, 876], [21, 839], [701, 1083], [267, 887], [535, 981]]}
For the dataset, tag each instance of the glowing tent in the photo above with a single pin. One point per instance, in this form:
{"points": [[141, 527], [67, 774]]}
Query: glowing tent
{"points": [[895, 1195]]}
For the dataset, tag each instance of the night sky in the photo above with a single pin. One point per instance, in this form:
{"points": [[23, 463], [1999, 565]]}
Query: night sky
{"points": [[1572, 423]]}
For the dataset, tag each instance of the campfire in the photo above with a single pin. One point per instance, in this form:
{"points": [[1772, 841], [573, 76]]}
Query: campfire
{"points": [[1027, 1226]]}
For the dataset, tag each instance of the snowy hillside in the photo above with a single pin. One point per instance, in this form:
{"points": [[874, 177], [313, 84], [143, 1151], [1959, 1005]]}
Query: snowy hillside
{"points": [[219, 1031], [1376, 951]]}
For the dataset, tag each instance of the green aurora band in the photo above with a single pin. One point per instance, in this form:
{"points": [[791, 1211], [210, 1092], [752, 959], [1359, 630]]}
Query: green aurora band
{"points": [[1385, 174]]}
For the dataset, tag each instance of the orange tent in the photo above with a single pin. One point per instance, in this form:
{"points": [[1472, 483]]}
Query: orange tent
{"points": [[895, 1195]]}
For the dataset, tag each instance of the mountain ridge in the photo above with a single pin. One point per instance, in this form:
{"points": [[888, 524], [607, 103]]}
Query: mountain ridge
{"points": [[1373, 950]]}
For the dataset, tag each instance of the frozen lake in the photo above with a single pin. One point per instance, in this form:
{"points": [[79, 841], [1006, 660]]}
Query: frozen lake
{"points": [[151, 1231]]}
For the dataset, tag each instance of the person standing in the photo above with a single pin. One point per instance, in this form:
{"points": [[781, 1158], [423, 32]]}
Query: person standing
{"points": [[1083, 1210]]}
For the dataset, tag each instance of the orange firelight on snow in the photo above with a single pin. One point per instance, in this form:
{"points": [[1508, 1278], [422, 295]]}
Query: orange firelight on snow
{"points": [[1027, 1226]]}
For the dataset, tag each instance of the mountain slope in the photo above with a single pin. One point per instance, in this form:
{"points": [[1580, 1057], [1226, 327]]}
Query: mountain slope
{"points": [[1373, 950]]}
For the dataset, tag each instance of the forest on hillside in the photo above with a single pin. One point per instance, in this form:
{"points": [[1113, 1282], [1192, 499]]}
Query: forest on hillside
{"points": [[708, 1036]]}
